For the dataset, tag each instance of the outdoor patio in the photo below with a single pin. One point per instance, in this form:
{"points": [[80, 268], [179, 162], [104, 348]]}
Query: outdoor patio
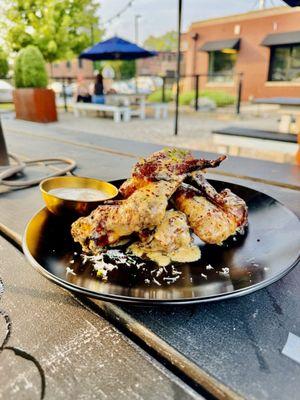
{"points": [[195, 131]]}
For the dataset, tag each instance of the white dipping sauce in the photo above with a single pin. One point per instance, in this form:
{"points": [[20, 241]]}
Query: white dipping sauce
{"points": [[79, 194]]}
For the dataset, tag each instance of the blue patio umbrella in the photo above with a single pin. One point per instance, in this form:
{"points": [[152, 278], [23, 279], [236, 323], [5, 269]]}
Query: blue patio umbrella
{"points": [[292, 3], [116, 49]]}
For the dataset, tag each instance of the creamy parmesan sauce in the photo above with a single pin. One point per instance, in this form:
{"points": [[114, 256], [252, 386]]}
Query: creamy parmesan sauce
{"points": [[185, 254], [79, 194]]}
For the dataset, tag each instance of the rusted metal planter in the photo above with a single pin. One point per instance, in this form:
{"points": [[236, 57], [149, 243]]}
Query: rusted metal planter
{"points": [[36, 105]]}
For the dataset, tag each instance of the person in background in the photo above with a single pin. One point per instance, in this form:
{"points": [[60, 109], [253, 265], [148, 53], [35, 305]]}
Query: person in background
{"points": [[98, 97], [83, 94]]}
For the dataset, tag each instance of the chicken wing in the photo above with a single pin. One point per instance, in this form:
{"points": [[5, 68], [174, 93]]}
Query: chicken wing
{"points": [[108, 224], [171, 241], [209, 222], [166, 164], [226, 200]]}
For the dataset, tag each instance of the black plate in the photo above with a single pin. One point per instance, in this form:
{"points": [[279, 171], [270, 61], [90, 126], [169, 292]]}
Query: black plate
{"points": [[268, 250]]}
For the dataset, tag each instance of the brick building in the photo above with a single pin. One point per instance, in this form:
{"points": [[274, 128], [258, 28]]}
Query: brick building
{"points": [[264, 45], [164, 64], [71, 69]]}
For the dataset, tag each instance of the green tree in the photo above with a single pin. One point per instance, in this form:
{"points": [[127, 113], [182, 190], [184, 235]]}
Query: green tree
{"points": [[166, 42], [18, 75], [127, 69], [30, 68], [61, 29], [3, 64], [123, 69]]}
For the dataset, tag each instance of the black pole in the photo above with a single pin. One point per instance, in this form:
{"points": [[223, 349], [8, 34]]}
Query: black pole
{"points": [[3, 150], [163, 93], [239, 94], [65, 96], [196, 92], [178, 66]]}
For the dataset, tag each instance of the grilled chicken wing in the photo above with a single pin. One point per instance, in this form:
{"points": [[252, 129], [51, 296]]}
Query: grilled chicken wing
{"points": [[211, 223], [171, 241], [108, 224], [226, 200], [165, 165]]}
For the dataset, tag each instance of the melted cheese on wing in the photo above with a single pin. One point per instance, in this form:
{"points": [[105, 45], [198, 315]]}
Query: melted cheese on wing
{"points": [[171, 241]]}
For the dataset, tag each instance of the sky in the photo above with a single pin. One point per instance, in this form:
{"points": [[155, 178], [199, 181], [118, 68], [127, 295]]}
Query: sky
{"points": [[160, 16]]}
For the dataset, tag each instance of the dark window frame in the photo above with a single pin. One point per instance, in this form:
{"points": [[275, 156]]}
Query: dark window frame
{"points": [[272, 58], [213, 75]]}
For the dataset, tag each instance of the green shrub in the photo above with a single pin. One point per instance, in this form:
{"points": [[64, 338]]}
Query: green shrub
{"points": [[156, 97], [30, 69], [186, 98], [219, 97], [18, 76], [3, 64]]}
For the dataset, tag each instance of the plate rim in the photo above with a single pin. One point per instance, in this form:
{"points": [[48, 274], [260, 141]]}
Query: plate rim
{"points": [[146, 301]]}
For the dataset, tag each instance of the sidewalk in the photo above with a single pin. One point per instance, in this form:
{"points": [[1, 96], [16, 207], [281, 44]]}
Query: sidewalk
{"points": [[194, 132]]}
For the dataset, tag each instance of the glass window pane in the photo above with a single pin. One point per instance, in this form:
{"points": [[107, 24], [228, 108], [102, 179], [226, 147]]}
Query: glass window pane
{"points": [[294, 71], [279, 63], [221, 65], [285, 63]]}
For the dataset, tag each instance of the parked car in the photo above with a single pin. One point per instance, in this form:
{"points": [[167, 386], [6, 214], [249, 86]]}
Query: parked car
{"points": [[6, 90]]}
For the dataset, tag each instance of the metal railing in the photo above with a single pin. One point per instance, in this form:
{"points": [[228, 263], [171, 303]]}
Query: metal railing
{"points": [[237, 80], [169, 81]]}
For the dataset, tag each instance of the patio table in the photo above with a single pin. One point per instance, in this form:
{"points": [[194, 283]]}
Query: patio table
{"points": [[127, 99], [226, 350]]}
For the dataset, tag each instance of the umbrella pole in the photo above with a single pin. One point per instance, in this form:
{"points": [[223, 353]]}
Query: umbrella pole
{"points": [[178, 67]]}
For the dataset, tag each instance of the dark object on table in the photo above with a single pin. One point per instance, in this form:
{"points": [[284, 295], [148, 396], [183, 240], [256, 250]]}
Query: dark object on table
{"points": [[242, 265], [3, 151]]}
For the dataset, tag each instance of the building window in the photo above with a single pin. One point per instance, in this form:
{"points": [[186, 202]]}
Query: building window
{"points": [[285, 63], [221, 65], [68, 64], [80, 63]]}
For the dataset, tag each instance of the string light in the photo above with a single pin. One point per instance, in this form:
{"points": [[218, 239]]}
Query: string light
{"points": [[119, 13]]}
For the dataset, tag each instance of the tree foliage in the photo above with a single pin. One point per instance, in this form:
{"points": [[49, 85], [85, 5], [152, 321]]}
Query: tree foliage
{"points": [[127, 69], [61, 29], [30, 68], [3, 64], [123, 69], [18, 75], [166, 42]]}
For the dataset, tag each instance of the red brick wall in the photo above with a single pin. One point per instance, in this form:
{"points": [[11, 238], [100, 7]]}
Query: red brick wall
{"points": [[159, 65], [252, 58], [61, 69]]}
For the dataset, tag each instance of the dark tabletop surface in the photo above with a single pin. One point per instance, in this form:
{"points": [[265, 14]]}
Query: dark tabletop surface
{"points": [[236, 344]]}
